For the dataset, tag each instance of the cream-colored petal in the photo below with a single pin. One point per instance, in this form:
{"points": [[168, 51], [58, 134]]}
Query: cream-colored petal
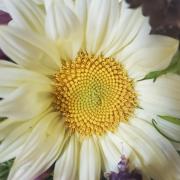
{"points": [[6, 127], [124, 28], [25, 102], [112, 147], [2, 6], [5, 91], [40, 150], [7, 64], [25, 93], [15, 134], [156, 54], [67, 165], [90, 163], [159, 159], [20, 87], [63, 26], [170, 130], [161, 97], [110, 154], [102, 15], [26, 14], [14, 77], [81, 9], [29, 49]]}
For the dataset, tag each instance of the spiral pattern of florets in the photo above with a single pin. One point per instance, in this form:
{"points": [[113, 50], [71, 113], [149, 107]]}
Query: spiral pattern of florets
{"points": [[93, 94]]}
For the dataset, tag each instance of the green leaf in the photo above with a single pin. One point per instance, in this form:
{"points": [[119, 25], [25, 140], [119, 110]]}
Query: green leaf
{"points": [[49, 178], [174, 67], [4, 169], [171, 119], [2, 119]]}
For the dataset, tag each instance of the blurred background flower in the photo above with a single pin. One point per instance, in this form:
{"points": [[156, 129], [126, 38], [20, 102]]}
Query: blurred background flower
{"points": [[123, 172], [4, 19], [164, 15]]}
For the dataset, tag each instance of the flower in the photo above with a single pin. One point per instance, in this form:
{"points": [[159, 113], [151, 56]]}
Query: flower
{"points": [[124, 173], [74, 99]]}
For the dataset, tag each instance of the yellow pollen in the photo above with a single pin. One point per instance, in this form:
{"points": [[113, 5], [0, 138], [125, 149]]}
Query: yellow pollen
{"points": [[93, 94]]}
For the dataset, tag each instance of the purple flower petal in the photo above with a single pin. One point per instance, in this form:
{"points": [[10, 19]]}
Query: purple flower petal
{"points": [[5, 18], [124, 173], [46, 174]]}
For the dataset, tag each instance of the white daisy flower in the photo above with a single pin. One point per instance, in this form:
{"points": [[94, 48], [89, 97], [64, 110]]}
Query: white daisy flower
{"points": [[73, 97]]}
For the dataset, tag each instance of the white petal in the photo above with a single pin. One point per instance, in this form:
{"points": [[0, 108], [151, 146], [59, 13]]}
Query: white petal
{"points": [[161, 97], [159, 159], [67, 165], [90, 163], [81, 9], [29, 49], [124, 29], [16, 134], [20, 87], [7, 64], [24, 102], [110, 153], [156, 54], [169, 129], [6, 127], [63, 26], [41, 149], [112, 148], [99, 19], [14, 77], [26, 14], [5, 91]]}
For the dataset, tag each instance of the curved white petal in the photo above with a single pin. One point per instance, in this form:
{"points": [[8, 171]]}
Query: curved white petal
{"points": [[96, 24], [81, 9], [25, 93], [6, 127], [25, 102], [15, 133], [110, 153], [7, 64], [90, 163], [14, 77], [156, 54], [40, 150], [124, 29], [169, 129], [63, 26], [112, 147], [26, 14], [29, 49], [159, 159], [67, 165], [161, 97]]}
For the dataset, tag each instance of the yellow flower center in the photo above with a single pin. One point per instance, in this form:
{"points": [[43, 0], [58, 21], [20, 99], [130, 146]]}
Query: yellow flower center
{"points": [[93, 94]]}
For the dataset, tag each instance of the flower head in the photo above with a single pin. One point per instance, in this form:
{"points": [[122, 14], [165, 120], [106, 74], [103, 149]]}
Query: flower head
{"points": [[74, 99]]}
